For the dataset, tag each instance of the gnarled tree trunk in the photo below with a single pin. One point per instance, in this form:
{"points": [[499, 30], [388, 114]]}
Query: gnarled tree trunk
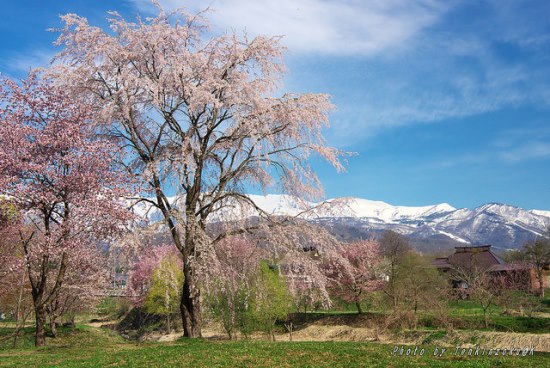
{"points": [[190, 306]]}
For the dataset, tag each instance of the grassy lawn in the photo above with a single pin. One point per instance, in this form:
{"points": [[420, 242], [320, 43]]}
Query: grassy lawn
{"points": [[90, 347]]}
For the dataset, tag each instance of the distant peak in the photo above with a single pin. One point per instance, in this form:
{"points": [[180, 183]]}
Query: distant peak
{"points": [[494, 205], [540, 213], [445, 206]]}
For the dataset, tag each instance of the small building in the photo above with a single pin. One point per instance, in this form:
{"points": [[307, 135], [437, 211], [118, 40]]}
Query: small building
{"points": [[482, 258]]}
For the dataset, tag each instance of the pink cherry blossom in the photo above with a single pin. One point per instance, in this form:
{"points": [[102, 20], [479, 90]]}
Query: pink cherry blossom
{"points": [[59, 174], [355, 271]]}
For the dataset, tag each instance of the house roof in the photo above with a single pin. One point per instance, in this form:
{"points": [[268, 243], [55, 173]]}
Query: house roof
{"points": [[480, 257], [474, 257], [510, 267]]}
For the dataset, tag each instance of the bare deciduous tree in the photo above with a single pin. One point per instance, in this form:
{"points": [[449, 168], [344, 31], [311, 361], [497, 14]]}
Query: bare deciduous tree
{"points": [[393, 247], [482, 286]]}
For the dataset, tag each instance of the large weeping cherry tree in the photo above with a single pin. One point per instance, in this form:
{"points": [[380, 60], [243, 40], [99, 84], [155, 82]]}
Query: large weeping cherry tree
{"points": [[198, 116]]}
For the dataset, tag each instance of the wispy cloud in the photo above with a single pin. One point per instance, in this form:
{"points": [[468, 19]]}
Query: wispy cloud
{"points": [[518, 145], [515, 155], [508, 147], [531, 150], [497, 58], [20, 63], [405, 62], [352, 27]]}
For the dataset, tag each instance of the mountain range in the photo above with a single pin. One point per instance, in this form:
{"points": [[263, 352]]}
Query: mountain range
{"points": [[430, 228], [435, 227]]}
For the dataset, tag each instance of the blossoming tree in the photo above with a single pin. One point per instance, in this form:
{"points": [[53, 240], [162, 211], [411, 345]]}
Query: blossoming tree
{"points": [[54, 170], [141, 273], [355, 271], [231, 295], [200, 117]]}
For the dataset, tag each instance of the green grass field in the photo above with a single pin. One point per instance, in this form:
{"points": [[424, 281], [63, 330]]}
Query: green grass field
{"points": [[92, 347], [87, 346], [465, 314]]}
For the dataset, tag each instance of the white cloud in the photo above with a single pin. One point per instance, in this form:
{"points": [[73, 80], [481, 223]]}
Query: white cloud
{"points": [[419, 61], [350, 27], [507, 147], [529, 151], [22, 62], [523, 144]]}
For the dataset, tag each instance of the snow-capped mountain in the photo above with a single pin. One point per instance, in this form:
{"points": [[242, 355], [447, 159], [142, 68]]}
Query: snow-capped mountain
{"points": [[500, 225]]}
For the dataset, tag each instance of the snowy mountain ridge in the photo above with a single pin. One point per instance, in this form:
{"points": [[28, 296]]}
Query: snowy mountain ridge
{"points": [[501, 225]]}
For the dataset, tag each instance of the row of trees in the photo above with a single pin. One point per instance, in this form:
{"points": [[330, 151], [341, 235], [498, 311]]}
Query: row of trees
{"points": [[254, 289]]}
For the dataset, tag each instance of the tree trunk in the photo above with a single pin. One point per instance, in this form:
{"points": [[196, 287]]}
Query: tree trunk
{"points": [[16, 335], [190, 307], [18, 308], [168, 323], [40, 337], [289, 326], [541, 286], [359, 309], [40, 301], [53, 324]]}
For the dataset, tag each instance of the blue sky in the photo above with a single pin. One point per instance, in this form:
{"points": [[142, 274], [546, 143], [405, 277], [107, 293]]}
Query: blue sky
{"points": [[444, 101]]}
